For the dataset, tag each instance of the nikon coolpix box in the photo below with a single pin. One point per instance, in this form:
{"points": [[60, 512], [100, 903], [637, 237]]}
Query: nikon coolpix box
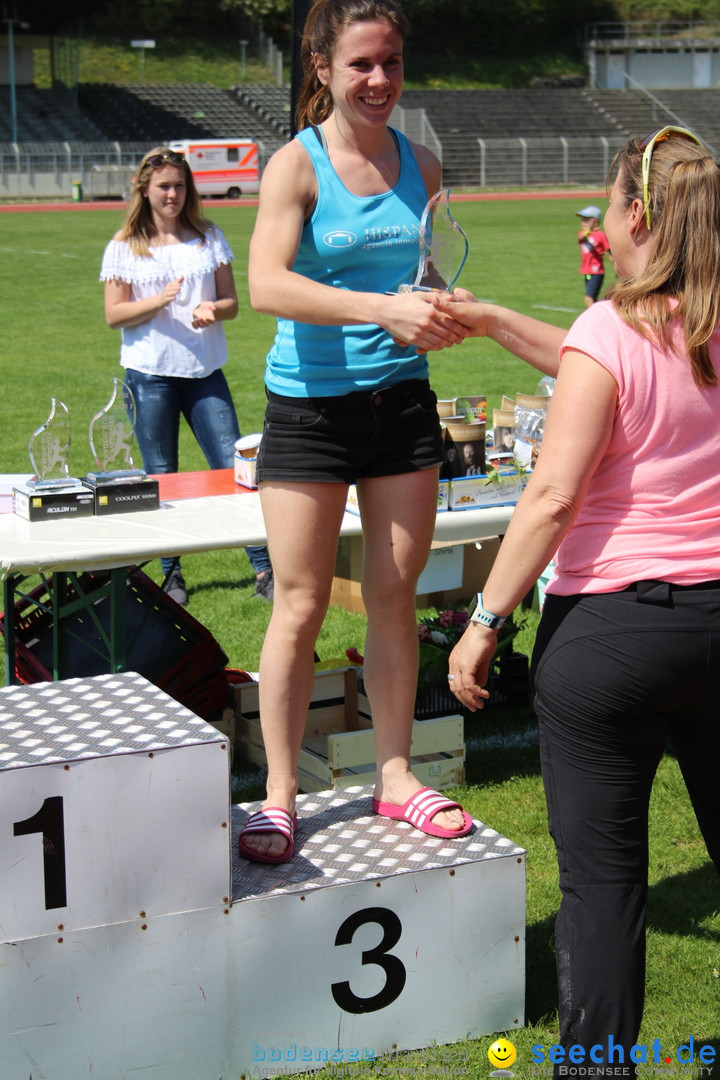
{"points": [[123, 495], [36, 504]]}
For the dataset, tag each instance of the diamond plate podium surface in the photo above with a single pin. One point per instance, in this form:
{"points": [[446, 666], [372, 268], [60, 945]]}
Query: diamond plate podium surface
{"points": [[77, 719], [340, 841]]}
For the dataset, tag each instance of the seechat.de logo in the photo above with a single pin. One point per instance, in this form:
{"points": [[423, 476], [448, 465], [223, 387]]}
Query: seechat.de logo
{"points": [[501, 1054]]}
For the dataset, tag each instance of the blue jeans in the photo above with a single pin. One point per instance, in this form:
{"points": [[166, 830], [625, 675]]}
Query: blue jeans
{"points": [[206, 404]]}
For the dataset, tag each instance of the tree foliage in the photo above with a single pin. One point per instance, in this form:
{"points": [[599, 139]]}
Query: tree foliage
{"points": [[137, 18], [518, 26], [488, 28], [667, 10]]}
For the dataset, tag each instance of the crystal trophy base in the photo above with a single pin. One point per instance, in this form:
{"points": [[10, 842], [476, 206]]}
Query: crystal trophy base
{"points": [[49, 502], [123, 492]]}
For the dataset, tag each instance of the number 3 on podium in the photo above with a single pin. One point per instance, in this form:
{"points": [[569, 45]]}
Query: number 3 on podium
{"points": [[393, 967]]}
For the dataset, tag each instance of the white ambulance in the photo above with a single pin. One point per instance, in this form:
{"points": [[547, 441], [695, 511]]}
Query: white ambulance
{"points": [[228, 167]]}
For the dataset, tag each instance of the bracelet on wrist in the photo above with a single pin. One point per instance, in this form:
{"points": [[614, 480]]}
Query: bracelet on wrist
{"points": [[486, 618]]}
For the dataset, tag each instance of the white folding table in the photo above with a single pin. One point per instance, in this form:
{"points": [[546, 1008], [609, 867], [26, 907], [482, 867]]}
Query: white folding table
{"points": [[180, 526]]}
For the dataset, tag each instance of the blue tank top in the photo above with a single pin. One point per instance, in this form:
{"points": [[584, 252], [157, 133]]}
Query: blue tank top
{"points": [[369, 244]]}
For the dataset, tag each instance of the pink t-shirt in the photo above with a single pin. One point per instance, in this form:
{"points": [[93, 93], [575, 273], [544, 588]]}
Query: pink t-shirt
{"points": [[652, 509]]}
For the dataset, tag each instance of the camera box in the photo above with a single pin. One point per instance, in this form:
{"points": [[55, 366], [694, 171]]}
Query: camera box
{"points": [[70, 501], [124, 495], [500, 489]]}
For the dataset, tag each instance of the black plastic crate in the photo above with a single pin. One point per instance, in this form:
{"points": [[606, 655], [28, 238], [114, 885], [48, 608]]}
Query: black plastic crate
{"points": [[165, 643]]}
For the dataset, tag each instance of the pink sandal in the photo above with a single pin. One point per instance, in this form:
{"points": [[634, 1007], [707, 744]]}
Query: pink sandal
{"points": [[273, 819], [419, 811]]}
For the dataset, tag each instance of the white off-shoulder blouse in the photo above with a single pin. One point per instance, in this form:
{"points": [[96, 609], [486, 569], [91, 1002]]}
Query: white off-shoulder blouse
{"points": [[167, 344]]}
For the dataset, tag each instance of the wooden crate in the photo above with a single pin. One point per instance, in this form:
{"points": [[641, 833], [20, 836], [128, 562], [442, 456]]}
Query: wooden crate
{"points": [[338, 746], [226, 723]]}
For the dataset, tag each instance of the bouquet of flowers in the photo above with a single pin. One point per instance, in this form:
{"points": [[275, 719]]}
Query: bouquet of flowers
{"points": [[438, 635]]}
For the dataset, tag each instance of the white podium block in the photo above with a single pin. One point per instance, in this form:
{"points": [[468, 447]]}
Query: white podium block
{"points": [[114, 806], [373, 940], [383, 939]]}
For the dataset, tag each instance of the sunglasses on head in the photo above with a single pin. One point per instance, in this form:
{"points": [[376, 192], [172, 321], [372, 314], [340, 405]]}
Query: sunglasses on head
{"points": [[647, 146], [156, 161]]}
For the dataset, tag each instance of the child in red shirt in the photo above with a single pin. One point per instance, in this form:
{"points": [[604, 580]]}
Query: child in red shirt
{"points": [[593, 246]]}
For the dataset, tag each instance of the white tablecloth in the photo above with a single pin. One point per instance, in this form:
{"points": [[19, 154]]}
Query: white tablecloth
{"points": [[177, 528]]}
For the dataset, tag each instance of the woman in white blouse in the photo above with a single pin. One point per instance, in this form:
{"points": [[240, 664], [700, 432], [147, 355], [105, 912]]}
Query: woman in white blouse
{"points": [[168, 287]]}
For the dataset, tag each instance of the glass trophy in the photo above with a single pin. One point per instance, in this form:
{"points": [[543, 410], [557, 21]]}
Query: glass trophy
{"points": [[118, 485], [111, 433], [443, 248], [52, 493], [49, 449]]}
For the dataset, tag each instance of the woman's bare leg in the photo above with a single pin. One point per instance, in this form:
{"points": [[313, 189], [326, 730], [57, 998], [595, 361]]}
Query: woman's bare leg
{"points": [[398, 515], [302, 522]]}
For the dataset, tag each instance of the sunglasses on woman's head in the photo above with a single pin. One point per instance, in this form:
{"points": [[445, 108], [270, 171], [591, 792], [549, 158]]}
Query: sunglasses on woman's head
{"points": [[647, 146], [156, 161]]}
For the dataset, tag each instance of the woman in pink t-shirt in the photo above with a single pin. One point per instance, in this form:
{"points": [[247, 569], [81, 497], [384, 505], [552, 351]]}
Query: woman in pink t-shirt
{"points": [[626, 491]]}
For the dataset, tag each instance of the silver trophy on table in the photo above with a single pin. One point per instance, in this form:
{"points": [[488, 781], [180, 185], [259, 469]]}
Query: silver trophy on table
{"points": [[443, 248], [111, 434]]}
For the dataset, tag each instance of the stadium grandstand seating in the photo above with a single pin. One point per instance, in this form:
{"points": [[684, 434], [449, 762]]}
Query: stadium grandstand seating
{"points": [[45, 116], [268, 101], [462, 117], [158, 114], [524, 132]]}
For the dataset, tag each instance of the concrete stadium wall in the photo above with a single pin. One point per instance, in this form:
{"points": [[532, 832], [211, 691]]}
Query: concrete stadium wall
{"points": [[37, 185]]}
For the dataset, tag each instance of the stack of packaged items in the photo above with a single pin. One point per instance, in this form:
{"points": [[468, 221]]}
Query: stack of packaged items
{"points": [[486, 467], [471, 480], [518, 427]]}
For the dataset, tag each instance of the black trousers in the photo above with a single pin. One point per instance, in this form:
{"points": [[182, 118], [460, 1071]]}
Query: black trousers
{"points": [[616, 676]]}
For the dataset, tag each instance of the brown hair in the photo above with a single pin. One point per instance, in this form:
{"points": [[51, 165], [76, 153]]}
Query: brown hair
{"points": [[139, 227], [684, 202], [325, 22]]}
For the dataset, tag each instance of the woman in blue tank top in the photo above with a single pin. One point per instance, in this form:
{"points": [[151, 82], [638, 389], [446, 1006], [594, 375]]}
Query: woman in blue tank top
{"points": [[348, 401]]}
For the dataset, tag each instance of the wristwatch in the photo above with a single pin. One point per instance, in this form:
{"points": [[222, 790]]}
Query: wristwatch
{"points": [[485, 618]]}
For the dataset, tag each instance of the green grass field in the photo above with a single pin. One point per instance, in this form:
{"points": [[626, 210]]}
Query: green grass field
{"points": [[524, 255]]}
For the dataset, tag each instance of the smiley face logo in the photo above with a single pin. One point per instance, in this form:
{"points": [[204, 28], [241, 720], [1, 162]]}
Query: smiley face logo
{"points": [[501, 1054]]}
